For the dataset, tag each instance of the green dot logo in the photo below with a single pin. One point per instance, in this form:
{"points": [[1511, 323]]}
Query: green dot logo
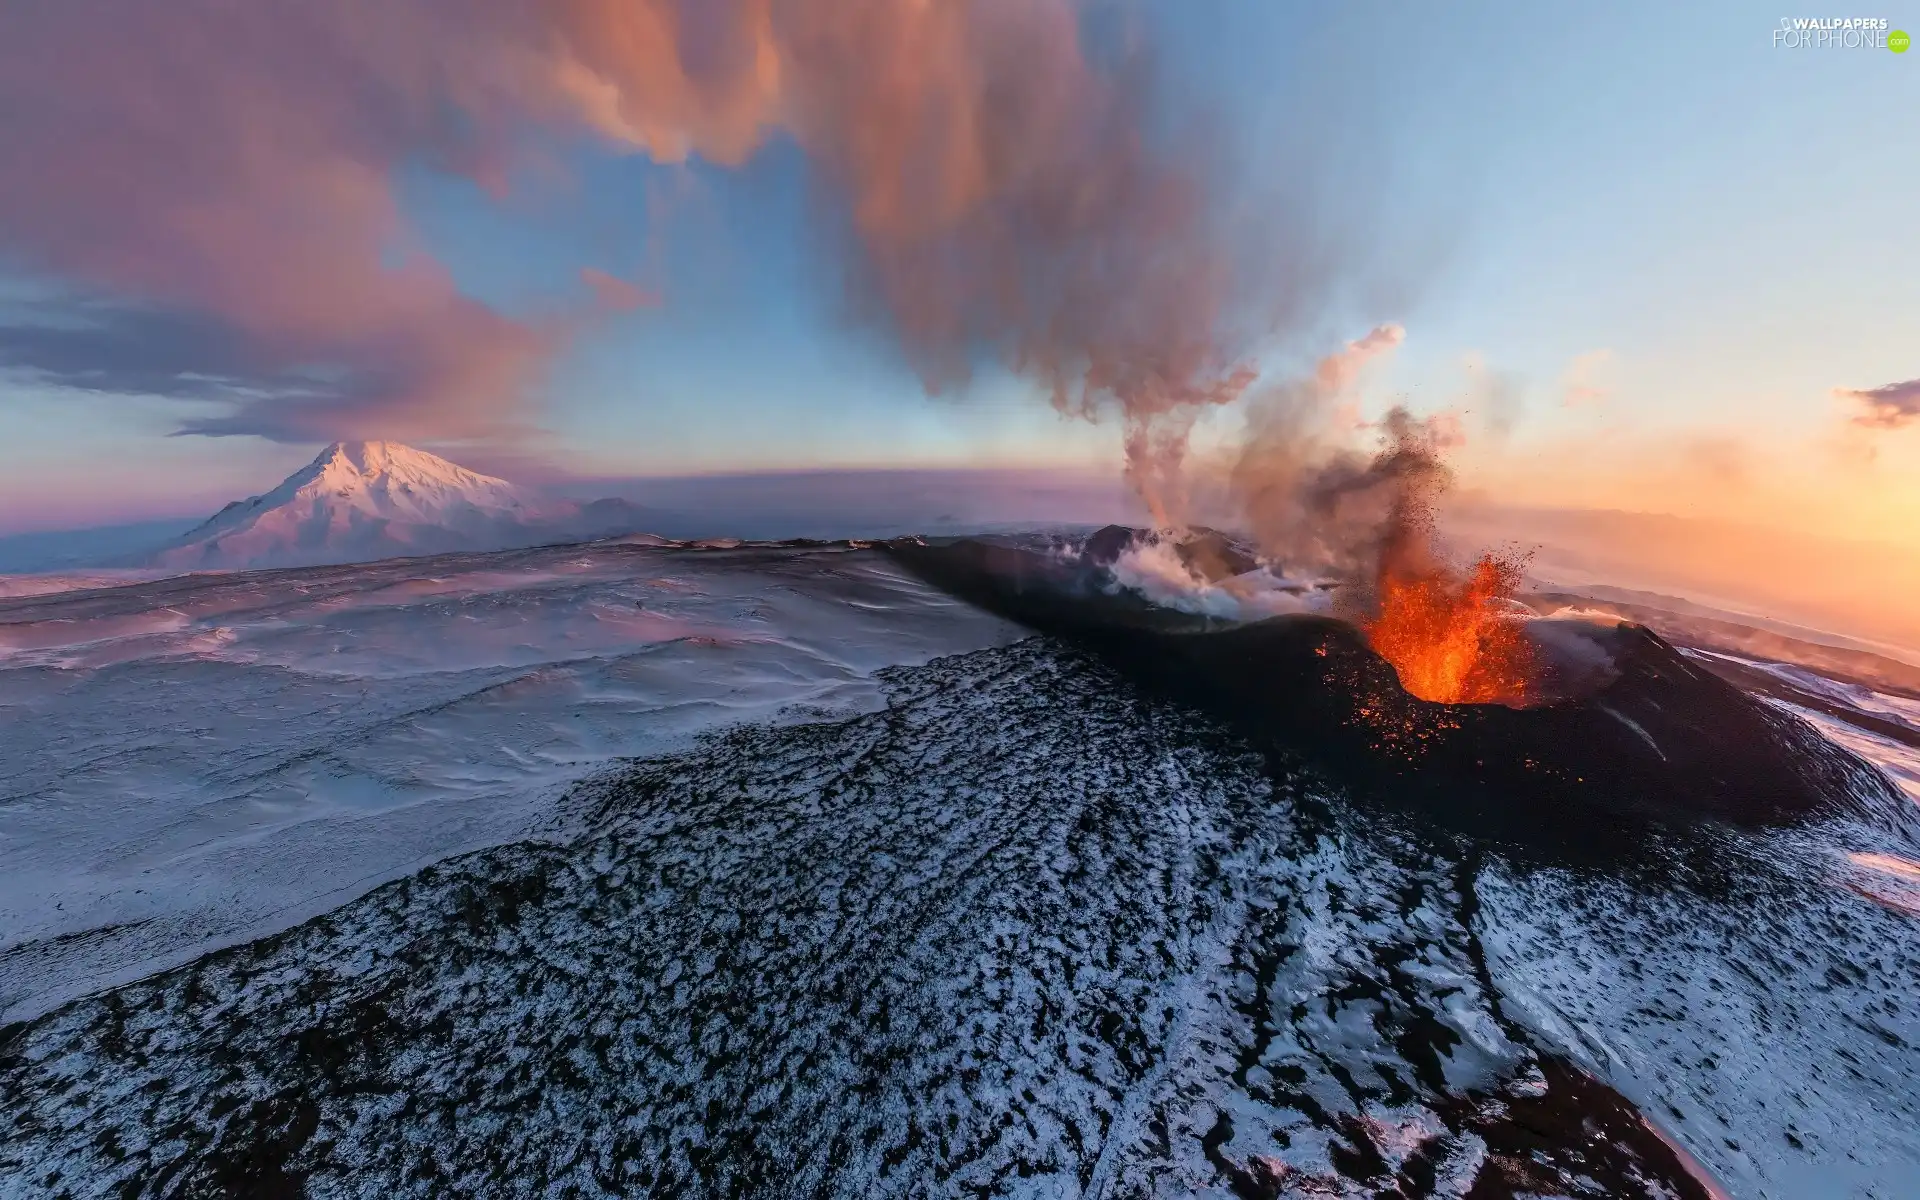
{"points": [[1898, 41]]}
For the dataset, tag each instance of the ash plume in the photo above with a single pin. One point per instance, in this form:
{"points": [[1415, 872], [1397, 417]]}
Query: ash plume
{"points": [[1007, 192], [1300, 490], [1375, 515]]}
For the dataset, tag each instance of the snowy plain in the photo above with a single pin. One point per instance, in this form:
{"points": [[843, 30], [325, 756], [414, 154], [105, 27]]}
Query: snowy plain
{"points": [[763, 867], [195, 760]]}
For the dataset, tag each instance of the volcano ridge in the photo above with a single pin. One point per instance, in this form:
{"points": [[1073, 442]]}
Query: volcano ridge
{"points": [[1663, 742]]}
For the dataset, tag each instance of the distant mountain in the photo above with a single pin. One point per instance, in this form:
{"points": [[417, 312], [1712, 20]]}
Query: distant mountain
{"points": [[65, 549], [360, 501]]}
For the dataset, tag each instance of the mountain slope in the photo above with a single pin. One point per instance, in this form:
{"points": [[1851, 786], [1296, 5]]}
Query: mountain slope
{"points": [[360, 501]]}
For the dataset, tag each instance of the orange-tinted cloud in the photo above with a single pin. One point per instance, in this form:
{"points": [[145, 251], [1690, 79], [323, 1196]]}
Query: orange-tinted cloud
{"points": [[1002, 191], [233, 160], [1338, 371]]}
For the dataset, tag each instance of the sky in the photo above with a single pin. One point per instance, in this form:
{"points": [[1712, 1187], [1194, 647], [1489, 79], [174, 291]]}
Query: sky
{"points": [[1649, 257]]}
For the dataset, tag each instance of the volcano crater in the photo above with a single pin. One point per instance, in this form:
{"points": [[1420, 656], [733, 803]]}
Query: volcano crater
{"points": [[1623, 726]]}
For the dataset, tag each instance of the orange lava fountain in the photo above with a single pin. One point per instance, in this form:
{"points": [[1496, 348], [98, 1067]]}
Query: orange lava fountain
{"points": [[1446, 636], [1451, 637]]}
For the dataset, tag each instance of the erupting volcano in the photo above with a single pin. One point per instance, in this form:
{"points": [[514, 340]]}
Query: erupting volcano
{"points": [[1452, 636], [1443, 698], [1410, 678], [1447, 636]]}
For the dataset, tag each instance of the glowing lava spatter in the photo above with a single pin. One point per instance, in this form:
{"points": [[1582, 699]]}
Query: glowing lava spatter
{"points": [[1446, 635], [1451, 636]]}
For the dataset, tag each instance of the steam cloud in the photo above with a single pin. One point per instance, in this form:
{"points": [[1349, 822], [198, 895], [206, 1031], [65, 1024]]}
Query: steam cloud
{"points": [[229, 161], [1889, 407]]}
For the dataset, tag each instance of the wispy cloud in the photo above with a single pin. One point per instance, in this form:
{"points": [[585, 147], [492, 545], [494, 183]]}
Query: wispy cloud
{"points": [[232, 165], [1888, 407], [1583, 383], [100, 347], [1337, 371]]}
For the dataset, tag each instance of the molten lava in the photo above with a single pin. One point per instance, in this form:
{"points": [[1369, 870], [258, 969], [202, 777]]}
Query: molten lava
{"points": [[1447, 636], [1451, 638]]}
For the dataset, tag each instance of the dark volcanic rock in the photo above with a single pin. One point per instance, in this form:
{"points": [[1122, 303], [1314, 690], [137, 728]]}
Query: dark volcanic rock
{"points": [[1213, 556], [1106, 545], [1665, 739], [1025, 932]]}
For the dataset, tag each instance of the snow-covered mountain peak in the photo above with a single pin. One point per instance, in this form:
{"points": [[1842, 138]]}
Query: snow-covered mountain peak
{"points": [[359, 501], [390, 479]]}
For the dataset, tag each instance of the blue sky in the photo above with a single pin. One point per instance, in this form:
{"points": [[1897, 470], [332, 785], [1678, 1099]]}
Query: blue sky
{"points": [[1650, 201]]}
